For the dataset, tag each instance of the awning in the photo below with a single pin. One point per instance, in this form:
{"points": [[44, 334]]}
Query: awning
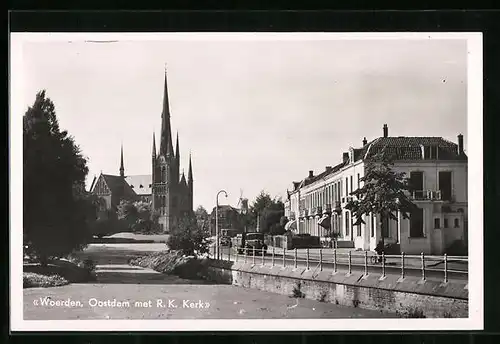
{"points": [[324, 221], [291, 225]]}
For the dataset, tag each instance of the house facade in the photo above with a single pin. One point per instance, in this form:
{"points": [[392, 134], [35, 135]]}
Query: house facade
{"points": [[437, 171]]}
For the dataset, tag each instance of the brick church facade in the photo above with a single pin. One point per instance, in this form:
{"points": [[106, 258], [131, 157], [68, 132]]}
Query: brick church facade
{"points": [[169, 191]]}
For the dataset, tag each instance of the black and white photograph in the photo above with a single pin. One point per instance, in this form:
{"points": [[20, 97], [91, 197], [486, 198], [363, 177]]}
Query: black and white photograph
{"points": [[246, 181]]}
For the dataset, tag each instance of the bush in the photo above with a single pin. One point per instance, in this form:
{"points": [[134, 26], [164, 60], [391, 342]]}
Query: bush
{"points": [[457, 248], [171, 262], [34, 280], [188, 237]]}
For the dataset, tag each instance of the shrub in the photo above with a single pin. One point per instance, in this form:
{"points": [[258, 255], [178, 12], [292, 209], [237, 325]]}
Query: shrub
{"points": [[414, 313], [188, 237], [34, 280], [297, 291], [457, 248]]}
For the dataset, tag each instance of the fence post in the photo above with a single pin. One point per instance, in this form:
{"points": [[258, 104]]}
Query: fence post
{"points": [[320, 259], [366, 263], [272, 258], [229, 253], [253, 256], [284, 255], [349, 263], [245, 252], [295, 258], [263, 253], [237, 254], [383, 264], [402, 265], [445, 268], [334, 260], [422, 259], [307, 259]]}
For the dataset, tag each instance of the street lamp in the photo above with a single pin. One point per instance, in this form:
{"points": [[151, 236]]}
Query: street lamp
{"points": [[217, 222]]}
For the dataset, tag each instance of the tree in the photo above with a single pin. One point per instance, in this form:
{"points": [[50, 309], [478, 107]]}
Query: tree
{"points": [[137, 216], [268, 211], [56, 210], [188, 236], [202, 217], [383, 193]]}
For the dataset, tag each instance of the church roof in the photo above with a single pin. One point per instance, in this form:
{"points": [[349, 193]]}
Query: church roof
{"points": [[140, 184], [116, 184]]}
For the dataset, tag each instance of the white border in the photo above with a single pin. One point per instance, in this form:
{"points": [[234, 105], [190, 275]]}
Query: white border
{"points": [[475, 193]]}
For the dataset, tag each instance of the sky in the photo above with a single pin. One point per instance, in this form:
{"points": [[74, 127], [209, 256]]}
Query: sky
{"points": [[255, 114]]}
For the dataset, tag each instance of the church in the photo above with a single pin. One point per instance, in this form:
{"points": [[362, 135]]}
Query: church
{"points": [[168, 190]]}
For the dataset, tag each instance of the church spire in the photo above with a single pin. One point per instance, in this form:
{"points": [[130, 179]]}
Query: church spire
{"points": [[154, 146], [166, 134], [122, 169], [190, 171], [177, 154]]}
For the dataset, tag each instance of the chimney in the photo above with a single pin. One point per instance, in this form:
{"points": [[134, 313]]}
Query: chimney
{"points": [[386, 131], [311, 174], [460, 144], [345, 156], [364, 142], [328, 168]]}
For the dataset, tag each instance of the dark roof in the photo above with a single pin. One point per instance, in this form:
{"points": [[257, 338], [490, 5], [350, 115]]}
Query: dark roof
{"points": [[409, 148], [402, 148], [141, 184], [117, 184], [322, 175]]}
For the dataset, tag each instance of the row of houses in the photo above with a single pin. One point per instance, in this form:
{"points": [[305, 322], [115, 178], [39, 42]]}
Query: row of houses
{"points": [[437, 172]]}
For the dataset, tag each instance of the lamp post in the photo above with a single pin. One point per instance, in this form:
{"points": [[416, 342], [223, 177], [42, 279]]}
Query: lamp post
{"points": [[217, 249]]}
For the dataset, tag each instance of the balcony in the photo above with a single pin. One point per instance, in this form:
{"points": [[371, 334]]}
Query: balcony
{"points": [[427, 195], [318, 210]]}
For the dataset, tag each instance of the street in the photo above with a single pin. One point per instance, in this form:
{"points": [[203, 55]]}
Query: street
{"points": [[456, 272]]}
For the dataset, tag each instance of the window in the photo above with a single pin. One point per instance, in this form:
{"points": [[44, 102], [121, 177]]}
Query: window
{"points": [[351, 184], [437, 223], [445, 185], [385, 227], [346, 186], [456, 223], [372, 220], [358, 181], [417, 223], [347, 220], [431, 152], [445, 224], [358, 230]]}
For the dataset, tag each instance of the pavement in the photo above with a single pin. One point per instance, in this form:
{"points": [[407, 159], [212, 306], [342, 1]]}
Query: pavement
{"points": [[130, 292], [434, 269]]}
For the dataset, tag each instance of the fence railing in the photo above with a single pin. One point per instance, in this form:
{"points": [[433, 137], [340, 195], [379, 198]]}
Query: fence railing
{"points": [[423, 266]]}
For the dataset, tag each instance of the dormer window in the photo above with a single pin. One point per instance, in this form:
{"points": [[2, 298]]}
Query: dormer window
{"points": [[431, 152], [132, 186], [140, 186]]}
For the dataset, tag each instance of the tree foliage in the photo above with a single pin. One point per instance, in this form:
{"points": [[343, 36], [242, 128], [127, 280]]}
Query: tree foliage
{"points": [[383, 192], [57, 212], [202, 218], [188, 237], [137, 216], [269, 212]]}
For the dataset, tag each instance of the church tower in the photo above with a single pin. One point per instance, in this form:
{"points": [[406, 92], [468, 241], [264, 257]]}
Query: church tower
{"points": [[171, 195]]}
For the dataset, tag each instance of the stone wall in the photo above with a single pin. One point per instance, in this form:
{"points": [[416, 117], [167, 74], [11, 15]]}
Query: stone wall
{"points": [[404, 296]]}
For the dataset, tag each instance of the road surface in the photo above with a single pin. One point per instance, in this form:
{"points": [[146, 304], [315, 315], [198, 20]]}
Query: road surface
{"points": [[457, 271]]}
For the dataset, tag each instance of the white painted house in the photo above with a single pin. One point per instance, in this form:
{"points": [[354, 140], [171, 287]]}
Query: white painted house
{"points": [[437, 170]]}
